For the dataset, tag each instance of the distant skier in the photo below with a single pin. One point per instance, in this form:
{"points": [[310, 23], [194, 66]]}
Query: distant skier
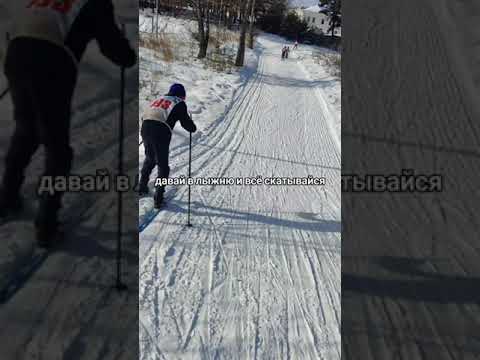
{"points": [[158, 121], [287, 52], [284, 52], [41, 65], [295, 47]]}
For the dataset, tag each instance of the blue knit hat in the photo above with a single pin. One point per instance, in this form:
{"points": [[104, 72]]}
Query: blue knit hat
{"points": [[177, 90]]}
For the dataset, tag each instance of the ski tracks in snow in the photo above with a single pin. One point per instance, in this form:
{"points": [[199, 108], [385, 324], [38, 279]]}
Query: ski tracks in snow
{"points": [[258, 276]]}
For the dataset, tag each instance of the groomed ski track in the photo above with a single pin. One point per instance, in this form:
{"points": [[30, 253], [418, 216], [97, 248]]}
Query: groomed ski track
{"points": [[258, 274]]}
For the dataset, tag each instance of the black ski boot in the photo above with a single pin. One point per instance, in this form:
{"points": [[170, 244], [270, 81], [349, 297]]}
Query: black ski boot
{"points": [[143, 189], [9, 205], [158, 198], [46, 232], [46, 223]]}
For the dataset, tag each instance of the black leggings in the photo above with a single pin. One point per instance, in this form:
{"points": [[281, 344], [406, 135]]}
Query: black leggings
{"points": [[156, 140], [42, 79]]}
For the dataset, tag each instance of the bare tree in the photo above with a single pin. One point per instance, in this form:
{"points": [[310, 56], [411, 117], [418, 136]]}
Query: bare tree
{"points": [[157, 16], [245, 11], [202, 13], [251, 35], [223, 13]]}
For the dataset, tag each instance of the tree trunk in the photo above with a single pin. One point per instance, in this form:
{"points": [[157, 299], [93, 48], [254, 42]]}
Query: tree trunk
{"points": [[243, 34], [251, 40], [207, 32], [156, 17], [203, 28], [202, 53], [220, 13]]}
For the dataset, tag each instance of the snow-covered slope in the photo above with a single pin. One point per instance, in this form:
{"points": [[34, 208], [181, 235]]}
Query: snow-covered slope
{"points": [[258, 274]]}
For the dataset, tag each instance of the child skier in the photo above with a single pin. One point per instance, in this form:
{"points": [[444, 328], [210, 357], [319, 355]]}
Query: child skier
{"points": [[159, 120]]}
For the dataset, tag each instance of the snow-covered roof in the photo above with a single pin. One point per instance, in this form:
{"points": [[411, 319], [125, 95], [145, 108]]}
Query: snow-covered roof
{"points": [[302, 3], [316, 8]]}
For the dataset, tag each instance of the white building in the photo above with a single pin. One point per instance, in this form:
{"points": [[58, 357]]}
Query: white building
{"points": [[317, 20]]}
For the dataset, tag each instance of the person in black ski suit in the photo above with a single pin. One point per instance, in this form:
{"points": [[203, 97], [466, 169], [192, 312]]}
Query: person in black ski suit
{"points": [[159, 120], [47, 43]]}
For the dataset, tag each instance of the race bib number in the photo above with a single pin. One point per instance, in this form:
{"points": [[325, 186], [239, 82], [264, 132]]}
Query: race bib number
{"points": [[62, 6], [45, 19], [162, 103], [160, 109]]}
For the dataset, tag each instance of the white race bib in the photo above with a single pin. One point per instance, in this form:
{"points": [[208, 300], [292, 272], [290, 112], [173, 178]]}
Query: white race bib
{"points": [[161, 109], [46, 19]]}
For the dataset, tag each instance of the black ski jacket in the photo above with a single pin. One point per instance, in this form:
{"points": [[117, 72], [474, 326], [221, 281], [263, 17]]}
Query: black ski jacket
{"points": [[96, 21], [180, 113]]}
